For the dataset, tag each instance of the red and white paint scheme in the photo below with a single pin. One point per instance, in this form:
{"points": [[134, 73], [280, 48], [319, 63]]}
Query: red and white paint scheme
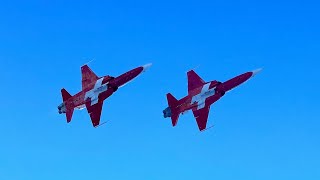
{"points": [[94, 91], [200, 96]]}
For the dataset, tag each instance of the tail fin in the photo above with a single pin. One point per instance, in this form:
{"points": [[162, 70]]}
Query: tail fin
{"points": [[174, 112], [68, 107]]}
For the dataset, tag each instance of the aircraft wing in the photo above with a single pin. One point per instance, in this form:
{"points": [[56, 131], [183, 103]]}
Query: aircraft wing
{"points": [[194, 80], [88, 77], [201, 116], [95, 112]]}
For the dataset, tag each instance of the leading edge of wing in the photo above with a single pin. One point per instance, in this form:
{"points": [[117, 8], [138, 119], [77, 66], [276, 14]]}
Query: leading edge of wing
{"points": [[194, 80], [88, 77], [95, 112], [201, 116]]}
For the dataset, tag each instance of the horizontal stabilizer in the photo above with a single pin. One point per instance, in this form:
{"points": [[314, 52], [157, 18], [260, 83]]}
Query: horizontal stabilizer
{"points": [[68, 109], [172, 101], [174, 118], [69, 114], [173, 107], [65, 94]]}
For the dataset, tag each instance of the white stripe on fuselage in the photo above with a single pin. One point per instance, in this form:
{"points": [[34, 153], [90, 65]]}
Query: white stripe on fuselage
{"points": [[93, 94], [202, 96]]}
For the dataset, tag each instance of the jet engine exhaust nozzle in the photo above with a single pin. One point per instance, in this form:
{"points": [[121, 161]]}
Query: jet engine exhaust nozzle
{"points": [[62, 108], [167, 112]]}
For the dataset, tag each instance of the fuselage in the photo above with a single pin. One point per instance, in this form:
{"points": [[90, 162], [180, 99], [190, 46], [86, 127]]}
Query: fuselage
{"points": [[103, 88], [210, 92], [199, 96]]}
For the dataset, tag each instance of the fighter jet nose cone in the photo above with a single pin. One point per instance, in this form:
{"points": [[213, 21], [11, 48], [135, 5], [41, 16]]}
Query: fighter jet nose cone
{"points": [[254, 72], [146, 67]]}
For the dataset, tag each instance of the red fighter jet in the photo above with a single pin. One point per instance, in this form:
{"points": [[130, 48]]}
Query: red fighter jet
{"points": [[200, 96], [94, 91]]}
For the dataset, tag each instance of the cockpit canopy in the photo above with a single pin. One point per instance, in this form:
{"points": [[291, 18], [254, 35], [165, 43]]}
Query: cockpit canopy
{"points": [[214, 84], [106, 79]]}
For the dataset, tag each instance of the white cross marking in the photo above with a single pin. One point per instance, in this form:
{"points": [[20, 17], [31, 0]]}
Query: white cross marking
{"points": [[202, 96], [93, 94]]}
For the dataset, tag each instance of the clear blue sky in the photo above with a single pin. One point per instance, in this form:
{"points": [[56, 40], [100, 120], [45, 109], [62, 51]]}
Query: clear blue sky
{"points": [[266, 129]]}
